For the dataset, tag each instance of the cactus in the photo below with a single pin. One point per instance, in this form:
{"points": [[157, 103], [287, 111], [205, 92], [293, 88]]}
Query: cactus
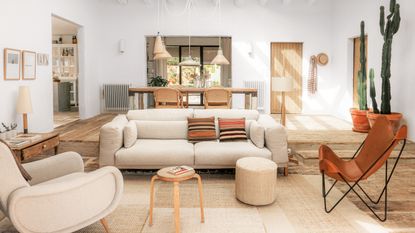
{"points": [[388, 31], [362, 75], [373, 91]]}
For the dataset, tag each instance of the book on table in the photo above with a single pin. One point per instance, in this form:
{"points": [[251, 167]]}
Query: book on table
{"points": [[179, 170]]}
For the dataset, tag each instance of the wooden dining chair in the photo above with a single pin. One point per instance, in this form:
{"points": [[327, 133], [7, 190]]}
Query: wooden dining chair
{"points": [[168, 98], [217, 98], [372, 155]]}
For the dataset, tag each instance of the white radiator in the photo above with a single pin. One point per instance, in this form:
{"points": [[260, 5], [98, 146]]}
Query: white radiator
{"points": [[260, 86], [116, 97]]}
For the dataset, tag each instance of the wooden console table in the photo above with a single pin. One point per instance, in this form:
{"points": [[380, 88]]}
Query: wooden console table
{"points": [[250, 94], [45, 142]]}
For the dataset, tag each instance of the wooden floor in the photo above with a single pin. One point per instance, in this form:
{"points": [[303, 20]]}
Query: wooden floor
{"points": [[305, 134], [63, 118]]}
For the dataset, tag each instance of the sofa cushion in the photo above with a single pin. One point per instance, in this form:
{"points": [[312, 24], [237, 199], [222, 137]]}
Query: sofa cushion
{"points": [[201, 129], [226, 153], [162, 129], [160, 114], [147, 152], [257, 133], [130, 134], [227, 113], [232, 129]]}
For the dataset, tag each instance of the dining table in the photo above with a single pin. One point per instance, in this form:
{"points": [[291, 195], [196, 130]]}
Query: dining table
{"points": [[137, 94]]}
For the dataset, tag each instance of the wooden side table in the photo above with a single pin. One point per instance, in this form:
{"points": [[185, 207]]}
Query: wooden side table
{"points": [[164, 175], [36, 147]]}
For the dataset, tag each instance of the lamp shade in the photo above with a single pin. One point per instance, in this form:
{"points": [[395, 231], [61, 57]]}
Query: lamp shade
{"points": [[24, 101], [220, 59], [163, 55], [158, 45], [282, 84], [189, 62]]}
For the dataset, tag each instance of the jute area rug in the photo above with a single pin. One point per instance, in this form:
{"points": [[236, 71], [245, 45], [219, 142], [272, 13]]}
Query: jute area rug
{"points": [[298, 208]]}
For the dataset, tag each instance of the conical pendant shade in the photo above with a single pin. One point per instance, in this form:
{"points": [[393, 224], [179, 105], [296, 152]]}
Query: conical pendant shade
{"points": [[163, 55], [220, 59], [189, 62], [158, 45]]}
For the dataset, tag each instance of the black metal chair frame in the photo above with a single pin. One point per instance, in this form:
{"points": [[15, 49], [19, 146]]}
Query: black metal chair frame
{"points": [[352, 186]]}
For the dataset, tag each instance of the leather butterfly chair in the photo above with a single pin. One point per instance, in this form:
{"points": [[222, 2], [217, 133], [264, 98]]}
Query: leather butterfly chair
{"points": [[372, 154], [217, 98], [168, 98]]}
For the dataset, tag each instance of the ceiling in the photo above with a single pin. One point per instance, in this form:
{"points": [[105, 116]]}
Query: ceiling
{"points": [[63, 27]]}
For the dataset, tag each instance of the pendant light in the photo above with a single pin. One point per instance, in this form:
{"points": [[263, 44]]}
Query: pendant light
{"points": [[220, 59], [164, 53], [189, 61], [160, 51]]}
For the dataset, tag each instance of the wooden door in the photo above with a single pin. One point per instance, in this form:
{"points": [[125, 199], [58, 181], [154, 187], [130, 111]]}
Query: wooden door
{"points": [[356, 68], [286, 60]]}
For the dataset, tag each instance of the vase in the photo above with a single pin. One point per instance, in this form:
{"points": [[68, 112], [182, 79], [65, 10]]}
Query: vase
{"points": [[394, 118], [360, 121]]}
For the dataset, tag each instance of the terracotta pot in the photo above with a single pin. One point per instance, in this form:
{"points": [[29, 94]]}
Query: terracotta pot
{"points": [[360, 121], [394, 118]]}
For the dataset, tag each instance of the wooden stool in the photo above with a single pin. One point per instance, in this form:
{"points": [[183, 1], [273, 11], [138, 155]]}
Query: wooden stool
{"points": [[164, 175]]}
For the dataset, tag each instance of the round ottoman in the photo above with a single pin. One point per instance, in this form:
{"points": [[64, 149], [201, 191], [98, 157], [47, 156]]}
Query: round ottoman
{"points": [[256, 180]]}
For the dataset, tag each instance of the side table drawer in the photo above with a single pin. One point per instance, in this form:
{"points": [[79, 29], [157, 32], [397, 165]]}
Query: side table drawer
{"points": [[40, 147]]}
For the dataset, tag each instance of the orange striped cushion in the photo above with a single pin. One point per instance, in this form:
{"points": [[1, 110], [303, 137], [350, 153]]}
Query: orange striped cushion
{"points": [[232, 129], [201, 129]]}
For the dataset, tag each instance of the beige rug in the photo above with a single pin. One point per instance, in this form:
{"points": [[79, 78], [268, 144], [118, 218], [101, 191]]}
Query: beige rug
{"points": [[298, 208]]}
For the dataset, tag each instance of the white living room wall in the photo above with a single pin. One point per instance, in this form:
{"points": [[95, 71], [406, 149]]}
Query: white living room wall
{"points": [[26, 24], [346, 20]]}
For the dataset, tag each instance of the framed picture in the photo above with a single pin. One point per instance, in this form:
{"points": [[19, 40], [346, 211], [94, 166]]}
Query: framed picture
{"points": [[29, 65], [11, 67], [42, 59]]}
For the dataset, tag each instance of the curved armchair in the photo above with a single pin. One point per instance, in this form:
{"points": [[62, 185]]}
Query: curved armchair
{"points": [[61, 197], [217, 98], [168, 98]]}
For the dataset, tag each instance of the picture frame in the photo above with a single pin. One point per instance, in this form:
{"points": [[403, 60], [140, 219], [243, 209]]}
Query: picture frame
{"points": [[42, 59], [11, 64], [28, 65]]}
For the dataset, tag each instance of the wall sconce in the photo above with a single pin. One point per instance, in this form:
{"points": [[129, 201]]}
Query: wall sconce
{"points": [[121, 46]]}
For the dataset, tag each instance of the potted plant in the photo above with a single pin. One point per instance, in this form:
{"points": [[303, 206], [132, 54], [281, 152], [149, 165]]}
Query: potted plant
{"points": [[10, 132], [387, 30], [359, 116], [158, 81]]}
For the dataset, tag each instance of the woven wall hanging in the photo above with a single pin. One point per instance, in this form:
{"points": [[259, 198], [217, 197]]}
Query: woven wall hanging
{"points": [[312, 76]]}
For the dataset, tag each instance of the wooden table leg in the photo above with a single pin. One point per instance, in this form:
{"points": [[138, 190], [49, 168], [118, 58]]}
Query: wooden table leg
{"points": [[202, 212], [176, 197], [105, 225], [141, 100], [247, 101], [154, 178]]}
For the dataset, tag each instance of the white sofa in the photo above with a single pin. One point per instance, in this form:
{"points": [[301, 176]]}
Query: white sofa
{"points": [[161, 140]]}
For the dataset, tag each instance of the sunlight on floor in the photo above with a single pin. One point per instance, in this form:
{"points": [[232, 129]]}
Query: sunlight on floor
{"points": [[370, 227], [314, 122]]}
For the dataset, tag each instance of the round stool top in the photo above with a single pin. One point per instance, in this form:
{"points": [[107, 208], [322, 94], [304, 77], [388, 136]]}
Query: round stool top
{"points": [[256, 164], [165, 175]]}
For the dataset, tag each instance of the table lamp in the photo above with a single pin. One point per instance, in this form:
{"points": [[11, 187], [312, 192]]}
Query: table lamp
{"points": [[283, 85], [24, 105]]}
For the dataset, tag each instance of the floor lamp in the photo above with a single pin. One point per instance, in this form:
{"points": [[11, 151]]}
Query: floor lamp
{"points": [[24, 105], [283, 85]]}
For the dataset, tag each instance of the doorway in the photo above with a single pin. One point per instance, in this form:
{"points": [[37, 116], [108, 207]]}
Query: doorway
{"points": [[65, 71], [286, 61], [356, 68]]}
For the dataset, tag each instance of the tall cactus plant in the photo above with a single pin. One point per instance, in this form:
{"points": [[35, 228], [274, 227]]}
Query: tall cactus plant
{"points": [[373, 91], [362, 75], [388, 31]]}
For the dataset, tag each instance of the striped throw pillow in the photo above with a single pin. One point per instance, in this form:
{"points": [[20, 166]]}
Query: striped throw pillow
{"points": [[232, 130], [201, 129]]}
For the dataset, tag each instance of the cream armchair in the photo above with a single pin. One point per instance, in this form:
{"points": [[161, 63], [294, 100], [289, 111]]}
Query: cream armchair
{"points": [[60, 197]]}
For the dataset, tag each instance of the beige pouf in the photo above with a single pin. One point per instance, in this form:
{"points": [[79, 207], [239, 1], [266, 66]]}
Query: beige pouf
{"points": [[256, 180]]}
